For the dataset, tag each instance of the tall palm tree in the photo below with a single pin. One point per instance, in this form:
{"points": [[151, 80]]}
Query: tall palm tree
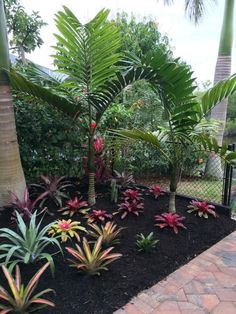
{"points": [[94, 75], [11, 173], [185, 119], [195, 10]]}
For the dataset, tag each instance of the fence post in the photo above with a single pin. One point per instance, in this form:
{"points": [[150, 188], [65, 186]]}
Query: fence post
{"points": [[228, 180]]}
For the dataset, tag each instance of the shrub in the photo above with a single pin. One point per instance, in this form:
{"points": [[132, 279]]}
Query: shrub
{"points": [[28, 245], [91, 261], [20, 299], [171, 220], [50, 142], [146, 243]]}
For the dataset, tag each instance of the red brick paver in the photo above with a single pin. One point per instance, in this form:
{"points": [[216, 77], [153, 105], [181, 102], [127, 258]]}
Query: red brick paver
{"points": [[207, 284]]}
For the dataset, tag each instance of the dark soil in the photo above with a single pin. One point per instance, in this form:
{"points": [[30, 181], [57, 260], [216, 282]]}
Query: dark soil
{"points": [[134, 272]]}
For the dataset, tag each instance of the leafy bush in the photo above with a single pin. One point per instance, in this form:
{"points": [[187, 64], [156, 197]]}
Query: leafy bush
{"points": [[50, 142], [28, 245], [91, 261], [146, 243], [20, 299], [130, 207]]}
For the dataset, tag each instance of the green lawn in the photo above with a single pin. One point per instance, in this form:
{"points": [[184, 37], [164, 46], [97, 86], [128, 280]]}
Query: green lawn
{"points": [[209, 190]]}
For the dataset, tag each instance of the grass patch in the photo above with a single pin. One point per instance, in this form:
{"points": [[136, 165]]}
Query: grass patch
{"points": [[208, 190]]}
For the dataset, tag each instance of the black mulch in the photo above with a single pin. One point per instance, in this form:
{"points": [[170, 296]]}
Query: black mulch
{"points": [[134, 272]]}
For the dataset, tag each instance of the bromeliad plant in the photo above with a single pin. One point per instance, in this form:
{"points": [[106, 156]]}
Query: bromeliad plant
{"points": [[202, 209], [156, 191], [75, 206], [91, 260], [110, 233], [66, 229], [53, 189], [131, 195], [20, 299], [132, 207], [28, 245], [170, 220], [146, 243], [98, 216], [26, 207]]}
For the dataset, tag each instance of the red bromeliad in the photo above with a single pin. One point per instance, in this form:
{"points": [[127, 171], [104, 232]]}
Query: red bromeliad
{"points": [[75, 206], [133, 207], [98, 216], [170, 220], [93, 125], [98, 145], [202, 209], [156, 191], [132, 195]]}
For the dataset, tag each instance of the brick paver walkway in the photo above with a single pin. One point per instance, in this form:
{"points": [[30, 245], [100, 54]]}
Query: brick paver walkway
{"points": [[207, 284]]}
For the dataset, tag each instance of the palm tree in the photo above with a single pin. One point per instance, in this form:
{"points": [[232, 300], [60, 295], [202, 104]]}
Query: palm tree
{"points": [[94, 75], [11, 173], [185, 118], [195, 10]]}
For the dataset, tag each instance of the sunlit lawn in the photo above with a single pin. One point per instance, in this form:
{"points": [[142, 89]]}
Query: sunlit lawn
{"points": [[208, 190]]}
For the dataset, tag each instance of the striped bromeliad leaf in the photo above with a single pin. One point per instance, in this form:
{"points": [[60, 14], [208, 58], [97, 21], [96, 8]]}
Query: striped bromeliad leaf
{"points": [[20, 299]]}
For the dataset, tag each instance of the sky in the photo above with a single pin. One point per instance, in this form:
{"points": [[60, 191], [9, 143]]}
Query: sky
{"points": [[197, 45]]}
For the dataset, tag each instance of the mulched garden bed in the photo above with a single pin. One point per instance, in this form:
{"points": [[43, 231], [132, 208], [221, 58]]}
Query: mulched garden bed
{"points": [[135, 271]]}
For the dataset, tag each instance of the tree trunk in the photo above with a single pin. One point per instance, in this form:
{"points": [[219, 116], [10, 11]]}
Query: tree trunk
{"points": [[222, 71], [91, 172], [11, 173], [174, 178]]}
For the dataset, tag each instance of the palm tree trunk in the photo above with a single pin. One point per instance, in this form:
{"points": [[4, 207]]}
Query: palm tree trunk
{"points": [[11, 173], [91, 171], [222, 71], [223, 64], [174, 178]]}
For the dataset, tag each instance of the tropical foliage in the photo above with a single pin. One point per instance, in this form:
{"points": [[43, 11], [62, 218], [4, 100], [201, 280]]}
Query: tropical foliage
{"points": [[91, 261], [110, 233], [20, 299], [170, 220], [66, 229], [28, 245], [202, 209], [146, 243]]}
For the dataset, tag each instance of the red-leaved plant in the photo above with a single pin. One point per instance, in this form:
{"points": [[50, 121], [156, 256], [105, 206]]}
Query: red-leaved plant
{"points": [[132, 207], [98, 145], [75, 206], [156, 191], [25, 208], [202, 209], [98, 216], [132, 195], [171, 220]]}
